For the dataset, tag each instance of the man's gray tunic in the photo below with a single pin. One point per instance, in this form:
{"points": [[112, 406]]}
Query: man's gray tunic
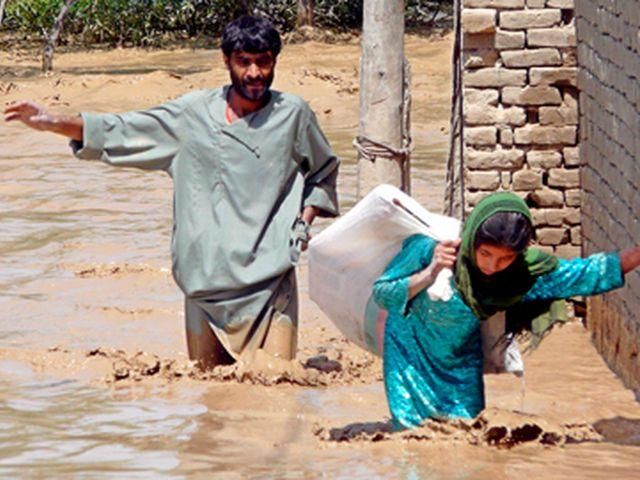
{"points": [[237, 191]]}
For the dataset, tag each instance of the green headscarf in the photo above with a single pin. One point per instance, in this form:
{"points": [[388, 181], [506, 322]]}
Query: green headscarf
{"points": [[486, 295]]}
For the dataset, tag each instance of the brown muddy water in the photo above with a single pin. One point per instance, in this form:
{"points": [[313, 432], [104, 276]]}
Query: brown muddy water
{"points": [[85, 268]]}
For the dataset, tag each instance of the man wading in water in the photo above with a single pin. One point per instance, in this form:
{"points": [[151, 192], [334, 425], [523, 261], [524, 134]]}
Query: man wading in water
{"points": [[251, 169]]}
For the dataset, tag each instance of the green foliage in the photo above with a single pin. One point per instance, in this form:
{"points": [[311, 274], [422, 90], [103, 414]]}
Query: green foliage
{"points": [[421, 12], [33, 16], [281, 13], [338, 14], [148, 22]]}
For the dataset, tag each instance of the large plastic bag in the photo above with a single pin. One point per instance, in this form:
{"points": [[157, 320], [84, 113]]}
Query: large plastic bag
{"points": [[349, 255]]}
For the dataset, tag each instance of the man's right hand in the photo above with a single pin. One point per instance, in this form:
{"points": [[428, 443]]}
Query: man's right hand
{"points": [[29, 113], [36, 117]]}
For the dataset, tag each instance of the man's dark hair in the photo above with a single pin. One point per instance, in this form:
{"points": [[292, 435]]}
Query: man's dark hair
{"points": [[505, 229], [251, 35]]}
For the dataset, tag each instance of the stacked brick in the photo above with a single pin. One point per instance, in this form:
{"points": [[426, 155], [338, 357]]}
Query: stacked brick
{"points": [[609, 81], [521, 111]]}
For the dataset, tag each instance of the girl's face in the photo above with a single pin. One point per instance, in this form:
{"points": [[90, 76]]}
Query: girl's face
{"points": [[492, 259]]}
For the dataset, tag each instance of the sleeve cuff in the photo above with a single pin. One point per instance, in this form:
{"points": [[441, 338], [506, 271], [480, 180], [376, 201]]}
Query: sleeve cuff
{"points": [[392, 295], [613, 259], [326, 202], [92, 144]]}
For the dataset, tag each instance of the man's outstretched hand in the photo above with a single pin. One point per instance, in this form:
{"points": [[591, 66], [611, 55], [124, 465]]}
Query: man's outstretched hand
{"points": [[36, 117], [29, 113]]}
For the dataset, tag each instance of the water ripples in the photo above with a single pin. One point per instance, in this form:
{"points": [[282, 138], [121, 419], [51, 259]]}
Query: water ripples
{"points": [[61, 428]]}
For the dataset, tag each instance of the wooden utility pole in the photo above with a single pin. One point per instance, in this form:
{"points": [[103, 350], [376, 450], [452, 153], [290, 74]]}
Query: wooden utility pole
{"points": [[383, 141], [305, 13], [47, 56]]}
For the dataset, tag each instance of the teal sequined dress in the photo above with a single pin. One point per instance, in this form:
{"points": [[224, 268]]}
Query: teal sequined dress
{"points": [[432, 349]]}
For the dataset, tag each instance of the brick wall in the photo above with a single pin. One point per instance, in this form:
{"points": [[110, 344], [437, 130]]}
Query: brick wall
{"points": [[539, 78], [608, 35], [520, 111]]}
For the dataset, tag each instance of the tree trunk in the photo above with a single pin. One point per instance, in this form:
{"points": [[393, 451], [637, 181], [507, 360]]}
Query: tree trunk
{"points": [[383, 106], [305, 13], [2, 4], [47, 56]]}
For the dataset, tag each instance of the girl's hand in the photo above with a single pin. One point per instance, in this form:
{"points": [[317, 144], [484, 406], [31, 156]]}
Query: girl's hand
{"points": [[444, 255], [629, 259]]}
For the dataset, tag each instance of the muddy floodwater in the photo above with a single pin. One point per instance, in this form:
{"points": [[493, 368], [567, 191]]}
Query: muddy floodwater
{"points": [[94, 380]]}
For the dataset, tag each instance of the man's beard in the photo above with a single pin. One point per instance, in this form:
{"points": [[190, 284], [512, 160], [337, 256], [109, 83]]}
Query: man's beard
{"points": [[252, 90]]}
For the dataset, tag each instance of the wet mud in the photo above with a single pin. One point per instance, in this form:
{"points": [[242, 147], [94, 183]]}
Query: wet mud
{"points": [[493, 428]]}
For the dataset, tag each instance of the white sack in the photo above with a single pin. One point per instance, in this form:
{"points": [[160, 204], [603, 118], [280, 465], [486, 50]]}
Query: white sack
{"points": [[349, 255]]}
